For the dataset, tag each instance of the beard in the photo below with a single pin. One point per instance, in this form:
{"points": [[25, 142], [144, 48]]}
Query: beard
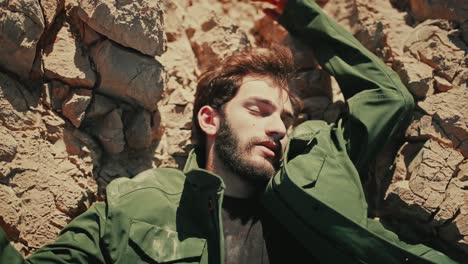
{"points": [[237, 157]]}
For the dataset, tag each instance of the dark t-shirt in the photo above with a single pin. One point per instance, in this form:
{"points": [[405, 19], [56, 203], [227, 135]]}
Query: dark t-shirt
{"points": [[251, 235]]}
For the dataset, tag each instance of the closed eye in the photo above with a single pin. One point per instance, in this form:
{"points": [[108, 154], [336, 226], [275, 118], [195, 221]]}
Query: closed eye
{"points": [[258, 110]]}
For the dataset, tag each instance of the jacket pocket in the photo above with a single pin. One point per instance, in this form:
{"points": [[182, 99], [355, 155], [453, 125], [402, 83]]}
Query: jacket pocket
{"points": [[304, 162], [163, 245]]}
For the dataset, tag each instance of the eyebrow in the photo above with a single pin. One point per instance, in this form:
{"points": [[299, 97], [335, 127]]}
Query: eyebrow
{"points": [[289, 114]]}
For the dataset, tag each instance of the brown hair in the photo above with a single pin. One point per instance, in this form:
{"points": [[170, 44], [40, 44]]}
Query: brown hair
{"points": [[219, 85]]}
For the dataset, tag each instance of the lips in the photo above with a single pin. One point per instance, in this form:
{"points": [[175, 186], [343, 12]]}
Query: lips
{"points": [[271, 146]]}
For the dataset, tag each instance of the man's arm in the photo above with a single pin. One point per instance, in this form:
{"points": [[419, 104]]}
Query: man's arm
{"points": [[78, 242], [378, 101]]}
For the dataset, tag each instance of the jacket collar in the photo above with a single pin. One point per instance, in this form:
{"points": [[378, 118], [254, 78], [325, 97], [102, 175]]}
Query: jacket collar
{"points": [[199, 178]]}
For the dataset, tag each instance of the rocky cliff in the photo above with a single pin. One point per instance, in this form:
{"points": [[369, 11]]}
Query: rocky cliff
{"points": [[93, 90]]}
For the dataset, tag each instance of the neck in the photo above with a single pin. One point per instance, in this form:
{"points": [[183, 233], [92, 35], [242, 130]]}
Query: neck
{"points": [[236, 186]]}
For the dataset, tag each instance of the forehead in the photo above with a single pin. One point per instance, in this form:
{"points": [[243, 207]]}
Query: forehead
{"points": [[264, 88]]}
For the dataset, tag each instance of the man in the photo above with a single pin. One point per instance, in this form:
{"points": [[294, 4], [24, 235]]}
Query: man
{"points": [[218, 210]]}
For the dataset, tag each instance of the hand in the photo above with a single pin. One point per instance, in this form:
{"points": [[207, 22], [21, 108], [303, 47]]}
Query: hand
{"points": [[276, 12]]}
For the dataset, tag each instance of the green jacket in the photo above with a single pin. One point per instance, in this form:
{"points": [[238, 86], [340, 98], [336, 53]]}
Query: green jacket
{"points": [[169, 216]]}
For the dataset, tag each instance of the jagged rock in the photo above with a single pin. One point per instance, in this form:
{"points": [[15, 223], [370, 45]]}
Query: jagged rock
{"points": [[429, 175], [441, 84], [14, 108], [461, 80], [82, 145], [370, 22], [428, 187], [10, 206], [66, 60], [89, 36], [8, 145], [135, 24], [197, 15], [181, 97], [39, 214], [449, 110], [446, 9], [138, 132], [100, 106], [180, 64], [431, 44], [51, 9], [178, 141], [456, 233], [217, 39], [33, 226], [173, 20], [83, 151], [156, 128], [110, 132], [125, 164], [270, 31], [423, 127], [53, 127], [75, 105], [21, 26], [127, 75], [59, 92], [176, 116], [162, 157], [417, 76]]}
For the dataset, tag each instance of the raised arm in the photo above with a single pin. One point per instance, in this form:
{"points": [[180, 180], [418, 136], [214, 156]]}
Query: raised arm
{"points": [[79, 242], [378, 101]]}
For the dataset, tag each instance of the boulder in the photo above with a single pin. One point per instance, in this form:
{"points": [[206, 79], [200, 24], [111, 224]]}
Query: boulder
{"points": [[110, 132], [138, 131], [74, 107], [445, 9], [128, 75], [217, 39], [134, 24], [67, 60], [100, 106], [21, 27]]}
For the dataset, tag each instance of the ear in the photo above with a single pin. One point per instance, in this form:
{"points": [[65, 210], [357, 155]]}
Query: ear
{"points": [[209, 120]]}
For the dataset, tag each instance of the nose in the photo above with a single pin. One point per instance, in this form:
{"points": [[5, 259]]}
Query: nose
{"points": [[276, 128]]}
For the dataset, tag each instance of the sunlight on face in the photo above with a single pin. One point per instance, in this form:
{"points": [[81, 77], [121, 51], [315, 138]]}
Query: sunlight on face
{"points": [[253, 133]]}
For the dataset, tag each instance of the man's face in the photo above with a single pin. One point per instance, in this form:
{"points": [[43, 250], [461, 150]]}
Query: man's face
{"points": [[253, 130]]}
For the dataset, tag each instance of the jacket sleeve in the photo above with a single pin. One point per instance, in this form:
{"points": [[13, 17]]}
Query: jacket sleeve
{"points": [[378, 102], [78, 242]]}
